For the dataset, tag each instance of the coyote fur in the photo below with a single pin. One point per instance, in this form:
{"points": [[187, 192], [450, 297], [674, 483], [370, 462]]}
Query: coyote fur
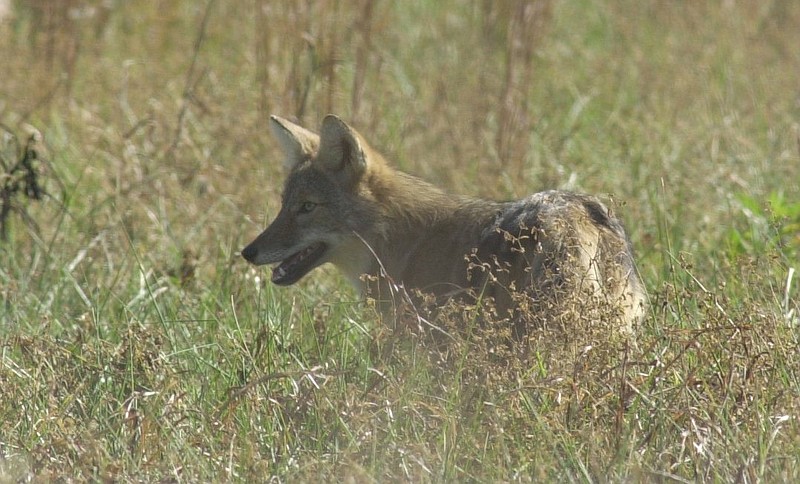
{"points": [[342, 203]]}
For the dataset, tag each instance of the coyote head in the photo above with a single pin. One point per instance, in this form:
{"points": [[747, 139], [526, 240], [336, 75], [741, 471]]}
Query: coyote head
{"points": [[324, 207]]}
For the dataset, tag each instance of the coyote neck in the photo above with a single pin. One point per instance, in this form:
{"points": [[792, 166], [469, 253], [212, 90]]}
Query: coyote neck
{"points": [[421, 225]]}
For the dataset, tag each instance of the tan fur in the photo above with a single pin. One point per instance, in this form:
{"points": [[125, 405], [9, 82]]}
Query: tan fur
{"points": [[343, 204]]}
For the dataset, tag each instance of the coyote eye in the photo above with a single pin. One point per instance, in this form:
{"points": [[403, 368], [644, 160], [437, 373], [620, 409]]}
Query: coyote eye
{"points": [[307, 207]]}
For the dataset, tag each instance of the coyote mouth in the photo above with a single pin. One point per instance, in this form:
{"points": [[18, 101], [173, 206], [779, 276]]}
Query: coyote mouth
{"points": [[297, 265]]}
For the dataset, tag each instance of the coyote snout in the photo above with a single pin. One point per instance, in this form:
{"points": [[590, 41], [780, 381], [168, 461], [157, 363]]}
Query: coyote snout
{"points": [[343, 204]]}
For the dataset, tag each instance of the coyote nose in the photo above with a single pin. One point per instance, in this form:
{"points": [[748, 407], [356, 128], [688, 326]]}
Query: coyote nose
{"points": [[249, 253]]}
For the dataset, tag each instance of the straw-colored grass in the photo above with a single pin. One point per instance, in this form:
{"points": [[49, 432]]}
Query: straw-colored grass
{"points": [[135, 344]]}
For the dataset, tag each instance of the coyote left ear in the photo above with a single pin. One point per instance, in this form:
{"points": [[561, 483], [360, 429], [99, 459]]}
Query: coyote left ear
{"points": [[298, 143], [341, 151]]}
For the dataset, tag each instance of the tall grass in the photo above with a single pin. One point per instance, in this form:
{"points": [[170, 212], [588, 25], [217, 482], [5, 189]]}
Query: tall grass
{"points": [[136, 345]]}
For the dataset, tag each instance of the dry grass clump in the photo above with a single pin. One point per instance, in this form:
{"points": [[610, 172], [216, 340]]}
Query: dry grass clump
{"points": [[693, 384]]}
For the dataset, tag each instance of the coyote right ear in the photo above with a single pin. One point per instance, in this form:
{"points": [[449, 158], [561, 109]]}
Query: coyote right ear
{"points": [[298, 143], [341, 151]]}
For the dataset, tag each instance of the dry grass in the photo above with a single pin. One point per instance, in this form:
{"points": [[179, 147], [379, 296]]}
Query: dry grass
{"points": [[136, 345]]}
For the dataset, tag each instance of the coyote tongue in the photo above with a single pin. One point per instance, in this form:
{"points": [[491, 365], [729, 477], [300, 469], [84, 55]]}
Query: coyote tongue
{"points": [[294, 267]]}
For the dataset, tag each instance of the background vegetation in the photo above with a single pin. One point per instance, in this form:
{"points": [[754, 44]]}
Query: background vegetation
{"points": [[135, 344]]}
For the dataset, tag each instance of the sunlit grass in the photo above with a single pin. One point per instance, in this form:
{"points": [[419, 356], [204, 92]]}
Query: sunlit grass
{"points": [[136, 344]]}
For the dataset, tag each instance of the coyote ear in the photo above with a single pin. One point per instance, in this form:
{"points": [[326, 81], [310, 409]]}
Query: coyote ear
{"points": [[298, 143], [341, 151]]}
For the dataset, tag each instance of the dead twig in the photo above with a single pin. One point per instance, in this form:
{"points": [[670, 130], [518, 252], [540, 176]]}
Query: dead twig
{"points": [[19, 178], [191, 81]]}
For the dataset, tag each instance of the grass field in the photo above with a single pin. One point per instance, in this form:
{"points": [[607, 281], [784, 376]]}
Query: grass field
{"points": [[135, 343]]}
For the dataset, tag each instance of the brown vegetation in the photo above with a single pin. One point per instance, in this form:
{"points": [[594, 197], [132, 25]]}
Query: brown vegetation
{"points": [[136, 345]]}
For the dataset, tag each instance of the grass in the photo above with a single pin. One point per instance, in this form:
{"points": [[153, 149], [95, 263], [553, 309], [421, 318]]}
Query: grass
{"points": [[136, 345]]}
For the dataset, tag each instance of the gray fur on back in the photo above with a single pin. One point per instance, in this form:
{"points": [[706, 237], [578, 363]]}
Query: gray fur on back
{"points": [[559, 241]]}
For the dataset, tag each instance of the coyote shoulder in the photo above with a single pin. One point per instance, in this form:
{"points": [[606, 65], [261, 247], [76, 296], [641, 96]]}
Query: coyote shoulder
{"points": [[342, 203]]}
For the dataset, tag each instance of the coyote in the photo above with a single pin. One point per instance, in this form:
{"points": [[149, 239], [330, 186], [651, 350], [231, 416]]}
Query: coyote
{"points": [[342, 203]]}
